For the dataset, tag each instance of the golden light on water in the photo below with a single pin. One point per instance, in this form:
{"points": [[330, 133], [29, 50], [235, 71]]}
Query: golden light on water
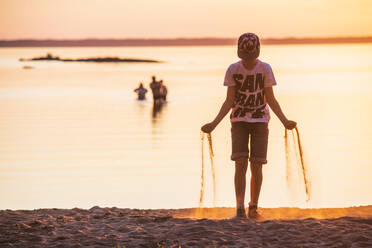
{"points": [[74, 134]]}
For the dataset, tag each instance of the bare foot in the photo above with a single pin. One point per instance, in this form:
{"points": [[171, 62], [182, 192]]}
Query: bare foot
{"points": [[253, 214], [240, 213]]}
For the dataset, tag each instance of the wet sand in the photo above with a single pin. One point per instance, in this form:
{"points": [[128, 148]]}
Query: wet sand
{"points": [[207, 227]]}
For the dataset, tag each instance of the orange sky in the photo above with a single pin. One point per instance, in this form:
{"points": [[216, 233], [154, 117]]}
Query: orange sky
{"points": [[64, 19]]}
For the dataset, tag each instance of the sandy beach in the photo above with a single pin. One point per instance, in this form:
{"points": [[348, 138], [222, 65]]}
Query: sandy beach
{"points": [[207, 227]]}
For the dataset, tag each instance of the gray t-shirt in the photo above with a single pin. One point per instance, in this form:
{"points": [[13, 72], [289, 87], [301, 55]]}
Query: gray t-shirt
{"points": [[250, 102]]}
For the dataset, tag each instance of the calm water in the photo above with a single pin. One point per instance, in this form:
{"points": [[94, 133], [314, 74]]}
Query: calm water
{"points": [[73, 135]]}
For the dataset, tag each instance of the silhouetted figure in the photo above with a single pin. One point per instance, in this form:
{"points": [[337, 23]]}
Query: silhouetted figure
{"points": [[141, 91], [249, 94], [156, 90], [163, 91]]}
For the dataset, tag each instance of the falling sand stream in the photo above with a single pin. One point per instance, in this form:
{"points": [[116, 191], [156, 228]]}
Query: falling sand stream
{"points": [[299, 160], [211, 155]]}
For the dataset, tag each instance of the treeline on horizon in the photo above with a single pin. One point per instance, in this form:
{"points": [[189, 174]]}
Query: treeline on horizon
{"points": [[176, 42]]}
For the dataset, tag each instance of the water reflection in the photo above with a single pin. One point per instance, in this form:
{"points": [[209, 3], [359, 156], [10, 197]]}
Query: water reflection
{"points": [[158, 110], [142, 106]]}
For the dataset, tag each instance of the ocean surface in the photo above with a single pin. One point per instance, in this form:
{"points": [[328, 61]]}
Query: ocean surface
{"points": [[74, 135]]}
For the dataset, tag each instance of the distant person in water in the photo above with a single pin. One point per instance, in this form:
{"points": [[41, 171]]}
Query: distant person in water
{"points": [[249, 94], [163, 91], [156, 90], [141, 92]]}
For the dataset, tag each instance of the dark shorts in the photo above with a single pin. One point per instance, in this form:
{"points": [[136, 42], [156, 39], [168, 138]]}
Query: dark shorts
{"points": [[256, 134]]}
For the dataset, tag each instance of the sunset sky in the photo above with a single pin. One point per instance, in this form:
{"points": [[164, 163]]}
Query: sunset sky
{"points": [[71, 19]]}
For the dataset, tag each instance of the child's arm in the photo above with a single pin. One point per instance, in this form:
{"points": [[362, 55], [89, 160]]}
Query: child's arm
{"points": [[225, 108], [274, 105]]}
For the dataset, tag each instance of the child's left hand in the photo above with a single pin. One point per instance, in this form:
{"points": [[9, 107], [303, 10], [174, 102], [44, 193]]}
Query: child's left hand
{"points": [[209, 127]]}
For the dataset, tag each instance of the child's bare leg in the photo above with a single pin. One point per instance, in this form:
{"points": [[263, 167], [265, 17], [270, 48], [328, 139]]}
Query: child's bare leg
{"points": [[256, 182], [241, 165]]}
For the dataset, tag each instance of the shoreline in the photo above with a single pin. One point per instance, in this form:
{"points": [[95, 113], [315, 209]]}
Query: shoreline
{"points": [[178, 42], [192, 227]]}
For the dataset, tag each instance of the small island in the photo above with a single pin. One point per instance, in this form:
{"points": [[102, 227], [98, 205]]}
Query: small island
{"points": [[50, 57]]}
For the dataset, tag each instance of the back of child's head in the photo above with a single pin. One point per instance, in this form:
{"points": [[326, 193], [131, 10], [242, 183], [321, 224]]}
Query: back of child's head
{"points": [[248, 46]]}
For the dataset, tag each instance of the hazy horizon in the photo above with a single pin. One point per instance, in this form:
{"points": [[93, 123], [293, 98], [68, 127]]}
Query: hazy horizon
{"points": [[176, 42], [68, 19], [194, 38]]}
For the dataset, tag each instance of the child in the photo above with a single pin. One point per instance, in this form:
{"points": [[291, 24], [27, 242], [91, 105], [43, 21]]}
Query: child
{"points": [[249, 93], [164, 91], [141, 91]]}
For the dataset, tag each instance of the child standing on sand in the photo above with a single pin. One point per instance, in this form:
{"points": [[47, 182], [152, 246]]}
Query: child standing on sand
{"points": [[249, 93]]}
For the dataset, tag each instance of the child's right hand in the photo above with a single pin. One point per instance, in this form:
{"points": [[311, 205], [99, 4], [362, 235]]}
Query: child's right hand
{"points": [[207, 128], [290, 124]]}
